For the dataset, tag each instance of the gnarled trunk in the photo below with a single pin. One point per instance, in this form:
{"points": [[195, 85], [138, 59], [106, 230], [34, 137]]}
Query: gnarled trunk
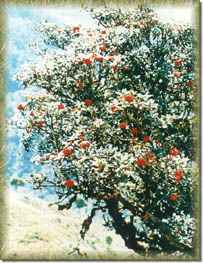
{"points": [[126, 230]]}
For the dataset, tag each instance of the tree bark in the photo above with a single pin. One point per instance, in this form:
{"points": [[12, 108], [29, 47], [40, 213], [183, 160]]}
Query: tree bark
{"points": [[126, 230]]}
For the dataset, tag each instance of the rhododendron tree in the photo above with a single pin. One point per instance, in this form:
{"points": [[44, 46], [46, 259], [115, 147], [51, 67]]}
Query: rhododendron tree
{"points": [[115, 122]]}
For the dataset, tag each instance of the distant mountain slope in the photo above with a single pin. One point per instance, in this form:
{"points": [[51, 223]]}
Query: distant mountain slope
{"points": [[36, 232]]}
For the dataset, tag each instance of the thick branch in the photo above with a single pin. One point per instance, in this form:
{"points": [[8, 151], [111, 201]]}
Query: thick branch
{"points": [[126, 230]]}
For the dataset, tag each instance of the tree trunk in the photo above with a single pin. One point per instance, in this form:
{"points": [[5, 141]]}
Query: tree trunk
{"points": [[126, 230]]}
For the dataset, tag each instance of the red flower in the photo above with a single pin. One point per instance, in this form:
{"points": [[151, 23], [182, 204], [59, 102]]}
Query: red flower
{"points": [[99, 58], [173, 197], [178, 62], [129, 98], [177, 74], [146, 138], [21, 107], [141, 162], [69, 183], [68, 151], [61, 106], [134, 131], [32, 114], [178, 175], [114, 108], [88, 102], [102, 48], [174, 151], [85, 144], [189, 83], [76, 29], [87, 61], [123, 125]]}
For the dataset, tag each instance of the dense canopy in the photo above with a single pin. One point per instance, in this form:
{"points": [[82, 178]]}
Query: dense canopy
{"points": [[115, 121]]}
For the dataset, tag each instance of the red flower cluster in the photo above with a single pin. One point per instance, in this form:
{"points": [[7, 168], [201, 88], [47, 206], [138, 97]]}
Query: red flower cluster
{"points": [[61, 106], [173, 197], [87, 61], [179, 175], [88, 102], [174, 151], [141, 162], [69, 183], [146, 138], [123, 125], [85, 145], [67, 151], [128, 98], [114, 108]]}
